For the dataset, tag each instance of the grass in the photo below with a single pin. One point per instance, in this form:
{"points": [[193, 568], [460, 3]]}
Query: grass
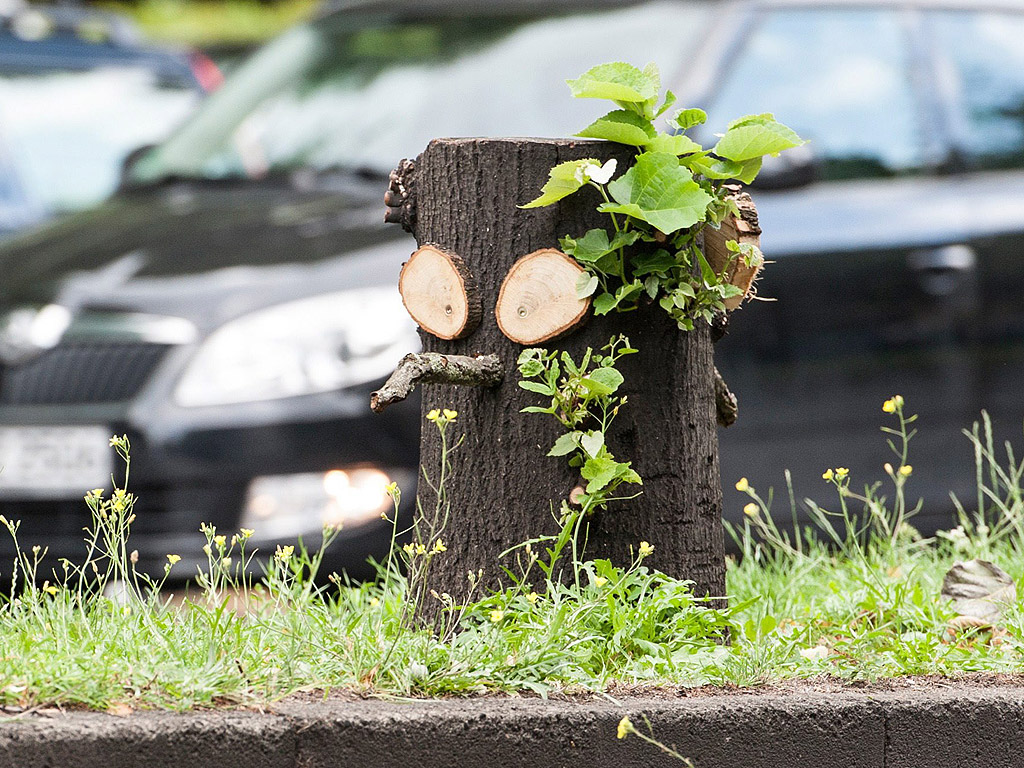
{"points": [[851, 600]]}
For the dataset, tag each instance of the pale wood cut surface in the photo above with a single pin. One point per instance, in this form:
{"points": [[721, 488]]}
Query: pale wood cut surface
{"points": [[538, 300], [744, 230], [440, 294]]}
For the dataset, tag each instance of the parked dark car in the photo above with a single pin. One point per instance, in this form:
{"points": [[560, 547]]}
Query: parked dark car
{"points": [[232, 307], [79, 90]]}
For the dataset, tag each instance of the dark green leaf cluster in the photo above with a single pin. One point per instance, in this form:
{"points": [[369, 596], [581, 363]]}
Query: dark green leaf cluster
{"points": [[660, 203]]}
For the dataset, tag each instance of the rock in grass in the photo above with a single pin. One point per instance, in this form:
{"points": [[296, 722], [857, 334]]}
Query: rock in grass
{"points": [[979, 589]]}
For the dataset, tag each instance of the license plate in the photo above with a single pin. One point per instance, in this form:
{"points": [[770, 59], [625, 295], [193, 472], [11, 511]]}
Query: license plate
{"points": [[54, 462]]}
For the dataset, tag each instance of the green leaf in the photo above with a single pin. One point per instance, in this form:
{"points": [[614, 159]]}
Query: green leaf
{"points": [[675, 143], [651, 285], [564, 179], [586, 284], [727, 169], [688, 118], [670, 99], [565, 444], [627, 292], [604, 304], [621, 126], [533, 386], [659, 261], [630, 476], [589, 248], [592, 443], [530, 368], [755, 136], [536, 409], [599, 472], [617, 81], [610, 378], [659, 191]]}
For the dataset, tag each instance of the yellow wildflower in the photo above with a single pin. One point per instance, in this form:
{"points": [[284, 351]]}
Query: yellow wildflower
{"points": [[742, 485], [889, 406], [284, 554], [434, 415], [172, 559], [751, 510], [625, 726], [450, 414], [646, 548], [408, 549], [420, 549], [220, 541], [827, 474], [392, 489], [532, 597], [50, 588], [439, 547], [374, 602], [247, 533], [906, 470], [600, 581], [841, 472], [497, 616]]}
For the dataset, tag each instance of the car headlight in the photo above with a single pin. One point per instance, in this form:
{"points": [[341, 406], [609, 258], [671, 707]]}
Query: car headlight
{"points": [[300, 347]]}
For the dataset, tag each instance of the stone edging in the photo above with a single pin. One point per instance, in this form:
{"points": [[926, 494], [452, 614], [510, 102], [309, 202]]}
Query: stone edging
{"points": [[930, 728]]}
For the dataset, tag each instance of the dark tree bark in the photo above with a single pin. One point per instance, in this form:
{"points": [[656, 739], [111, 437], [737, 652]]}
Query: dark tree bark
{"points": [[504, 487]]}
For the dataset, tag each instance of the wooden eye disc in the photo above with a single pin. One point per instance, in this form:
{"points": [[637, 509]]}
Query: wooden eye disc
{"points": [[439, 292], [538, 300]]}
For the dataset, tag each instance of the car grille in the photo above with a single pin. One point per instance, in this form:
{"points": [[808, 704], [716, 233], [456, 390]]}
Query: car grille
{"points": [[92, 372]]}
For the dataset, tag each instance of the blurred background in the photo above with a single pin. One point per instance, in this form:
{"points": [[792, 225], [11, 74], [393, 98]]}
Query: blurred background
{"points": [[193, 250]]}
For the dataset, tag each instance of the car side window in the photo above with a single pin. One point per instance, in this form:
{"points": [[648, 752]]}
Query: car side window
{"points": [[985, 76], [839, 77]]}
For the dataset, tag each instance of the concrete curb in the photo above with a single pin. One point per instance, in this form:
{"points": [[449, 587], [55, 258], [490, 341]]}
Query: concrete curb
{"points": [[931, 728]]}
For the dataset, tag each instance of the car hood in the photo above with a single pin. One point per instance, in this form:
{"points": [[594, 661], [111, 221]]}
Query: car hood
{"points": [[204, 252]]}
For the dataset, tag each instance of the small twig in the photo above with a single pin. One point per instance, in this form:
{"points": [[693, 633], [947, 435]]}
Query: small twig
{"points": [[726, 405], [435, 368]]}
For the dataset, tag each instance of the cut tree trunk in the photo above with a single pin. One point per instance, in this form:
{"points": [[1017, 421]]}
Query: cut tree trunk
{"points": [[504, 488]]}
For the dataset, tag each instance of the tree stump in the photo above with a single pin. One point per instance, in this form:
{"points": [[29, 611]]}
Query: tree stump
{"points": [[462, 200]]}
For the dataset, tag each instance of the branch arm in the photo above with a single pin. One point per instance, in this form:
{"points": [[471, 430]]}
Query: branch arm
{"points": [[435, 368]]}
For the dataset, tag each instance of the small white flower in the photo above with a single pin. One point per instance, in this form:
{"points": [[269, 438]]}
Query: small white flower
{"points": [[601, 174], [594, 172], [817, 653]]}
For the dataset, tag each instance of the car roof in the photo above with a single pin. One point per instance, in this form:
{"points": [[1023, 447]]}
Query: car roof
{"points": [[454, 8]]}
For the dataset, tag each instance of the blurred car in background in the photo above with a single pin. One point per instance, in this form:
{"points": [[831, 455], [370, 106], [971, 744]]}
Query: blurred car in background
{"points": [[79, 90], [232, 307]]}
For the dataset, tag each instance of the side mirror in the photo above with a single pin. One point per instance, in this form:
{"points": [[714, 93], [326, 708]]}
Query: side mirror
{"points": [[125, 179], [797, 167]]}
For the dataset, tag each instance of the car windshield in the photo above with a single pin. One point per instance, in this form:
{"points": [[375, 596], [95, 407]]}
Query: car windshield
{"points": [[63, 135], [358, 93]]}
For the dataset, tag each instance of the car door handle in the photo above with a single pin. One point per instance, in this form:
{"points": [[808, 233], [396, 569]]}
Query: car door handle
{"points": [[942, 271]]}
